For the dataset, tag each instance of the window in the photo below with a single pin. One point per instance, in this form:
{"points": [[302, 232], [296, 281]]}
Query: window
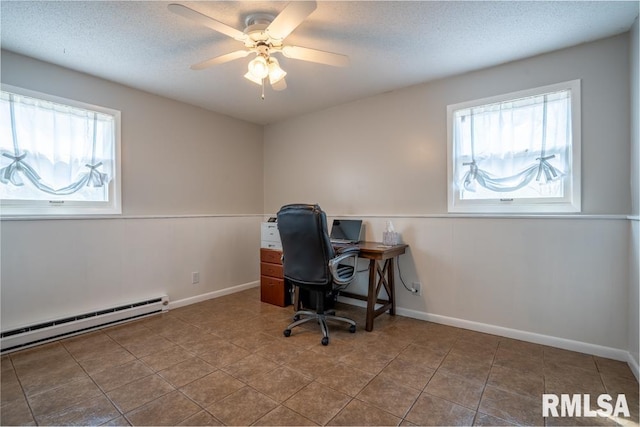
{"points": [[57, 156], [516, 153]]}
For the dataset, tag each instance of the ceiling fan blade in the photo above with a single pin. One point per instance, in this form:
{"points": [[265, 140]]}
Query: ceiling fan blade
{"points": [[314, 55], [207, 21], [289, 19], [220, 59], [279, 85]]}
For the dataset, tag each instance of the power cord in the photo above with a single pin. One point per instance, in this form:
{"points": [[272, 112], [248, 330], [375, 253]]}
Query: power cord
{"points": [[413, 291]]}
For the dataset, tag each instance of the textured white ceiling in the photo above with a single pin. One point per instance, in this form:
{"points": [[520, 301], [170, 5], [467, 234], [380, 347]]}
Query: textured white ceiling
{"points": [[391, 45]]}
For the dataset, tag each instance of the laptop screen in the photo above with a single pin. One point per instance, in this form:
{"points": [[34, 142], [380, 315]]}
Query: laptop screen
{"points": [[346, 229]]}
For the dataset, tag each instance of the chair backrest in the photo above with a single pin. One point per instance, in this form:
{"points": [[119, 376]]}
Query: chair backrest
{"points": [[306, 247]]}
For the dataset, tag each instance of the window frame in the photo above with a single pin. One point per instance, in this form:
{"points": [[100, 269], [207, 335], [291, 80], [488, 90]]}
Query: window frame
{"points": [[570, 203], [70, 208]]}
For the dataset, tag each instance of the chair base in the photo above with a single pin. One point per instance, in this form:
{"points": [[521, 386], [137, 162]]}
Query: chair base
{"points": [[322, 319]]}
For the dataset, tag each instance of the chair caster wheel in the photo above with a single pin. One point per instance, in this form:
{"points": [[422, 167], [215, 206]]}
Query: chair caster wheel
{"points": [[296, 318], [286, 332], [325, 341], [352, 329]]}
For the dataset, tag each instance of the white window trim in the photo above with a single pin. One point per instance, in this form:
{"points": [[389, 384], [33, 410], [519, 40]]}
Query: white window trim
{"points": [[570, 204], [48, 208]]}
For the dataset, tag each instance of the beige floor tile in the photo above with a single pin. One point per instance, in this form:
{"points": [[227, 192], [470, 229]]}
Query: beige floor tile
{"points": [[520, 360], [428, 373], [487, 420], [482, 352], [167, 410], [468, 367], [129, 332], [16, 413], [571, 382], [250, 367], [90, 345], [117, 376], [358, 413], [346, 379], [223, 353], [455, 389], [283, 416], [100, 361], [185, 372], [252, 341], [280, 351], [560, 357], [243, 407], [389, 396], [117, 422], [312, 364], [211, 388], [10, 388], [202, 418], [613, 368], [367, 360], [580, 421], [407, 373], [199, 346], [167, 358], [90, 412], [621, 385], [516, 381], [511, 407], [433, 411], [34, 383], [148, 344], [139, 392], [529, 349], [428, 357], [32, 358], [65, 396], [5, 363], [279, 384], [317, 402]]}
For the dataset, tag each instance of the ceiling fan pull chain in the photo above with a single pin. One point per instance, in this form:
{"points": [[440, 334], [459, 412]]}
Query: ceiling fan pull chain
{"points": [[262, 96]]}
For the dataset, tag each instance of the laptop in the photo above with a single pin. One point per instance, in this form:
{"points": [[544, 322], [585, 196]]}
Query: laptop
{"points": [[346, 231]]}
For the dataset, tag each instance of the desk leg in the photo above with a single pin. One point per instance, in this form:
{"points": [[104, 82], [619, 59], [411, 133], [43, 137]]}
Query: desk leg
{"points": [[392, 286], [371, 295]]}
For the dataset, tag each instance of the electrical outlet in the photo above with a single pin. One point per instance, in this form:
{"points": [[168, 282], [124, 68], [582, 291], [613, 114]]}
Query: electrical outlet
{"points": [[416, 287], [195, 277]]}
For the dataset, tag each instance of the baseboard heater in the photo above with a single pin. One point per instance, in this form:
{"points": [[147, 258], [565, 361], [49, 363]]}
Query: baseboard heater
{"points": [[29, 336]]}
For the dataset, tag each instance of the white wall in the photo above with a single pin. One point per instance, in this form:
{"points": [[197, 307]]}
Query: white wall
{"points": [[199, 171], [385, 157], [634, 242]]}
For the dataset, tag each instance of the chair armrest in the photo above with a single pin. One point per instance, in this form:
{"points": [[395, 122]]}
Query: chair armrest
{"points": [[334, 264], [347, 249]]}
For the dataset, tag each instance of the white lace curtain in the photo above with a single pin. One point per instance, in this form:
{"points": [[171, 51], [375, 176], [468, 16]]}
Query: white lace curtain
{"points": [[506, 146], [52, 148]]}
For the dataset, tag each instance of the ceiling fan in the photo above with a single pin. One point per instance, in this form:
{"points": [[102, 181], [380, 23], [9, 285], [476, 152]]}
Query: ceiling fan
{"points": [[264, 35]]}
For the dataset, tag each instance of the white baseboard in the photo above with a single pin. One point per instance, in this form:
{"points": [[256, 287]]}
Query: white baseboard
{"points": [[215, 294], [582, 347], [634, 365]]}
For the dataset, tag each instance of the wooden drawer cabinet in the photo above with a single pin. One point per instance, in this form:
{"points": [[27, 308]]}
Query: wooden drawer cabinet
{"points": [[273, 288]]}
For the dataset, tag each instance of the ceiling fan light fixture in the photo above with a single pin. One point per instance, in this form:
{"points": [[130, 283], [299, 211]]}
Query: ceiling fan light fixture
{"points": [[275, 72], [253, 78], [258, 67]]}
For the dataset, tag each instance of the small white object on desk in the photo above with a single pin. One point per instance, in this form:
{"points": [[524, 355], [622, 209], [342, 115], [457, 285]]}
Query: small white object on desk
{"points": [[390, 237]]}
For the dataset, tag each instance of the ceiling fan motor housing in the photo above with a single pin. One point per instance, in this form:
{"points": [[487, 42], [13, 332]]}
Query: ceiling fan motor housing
{"points": [[256, 26]]}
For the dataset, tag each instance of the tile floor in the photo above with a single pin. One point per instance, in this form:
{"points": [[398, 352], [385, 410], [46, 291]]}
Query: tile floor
{"points": [[225, 362]]}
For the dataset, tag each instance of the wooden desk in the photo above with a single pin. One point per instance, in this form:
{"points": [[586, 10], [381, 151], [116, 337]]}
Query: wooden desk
{"points": [[381, 273]]}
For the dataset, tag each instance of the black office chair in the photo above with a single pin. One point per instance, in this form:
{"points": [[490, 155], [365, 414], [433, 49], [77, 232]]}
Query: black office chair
{"points": [[311, 263]]}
